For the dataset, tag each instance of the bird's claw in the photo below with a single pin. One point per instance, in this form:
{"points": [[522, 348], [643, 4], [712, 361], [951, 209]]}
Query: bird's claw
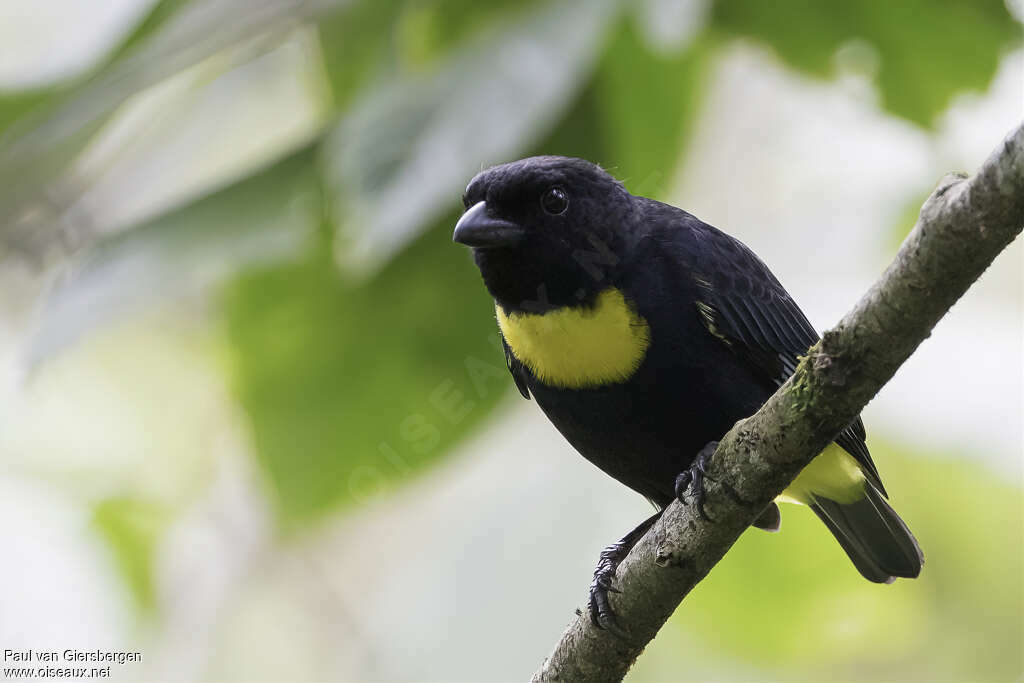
{"points": [[601, 614], [693, 478]]}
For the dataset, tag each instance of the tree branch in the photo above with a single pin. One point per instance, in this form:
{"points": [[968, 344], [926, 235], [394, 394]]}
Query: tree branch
{"points": [[962, 227]]}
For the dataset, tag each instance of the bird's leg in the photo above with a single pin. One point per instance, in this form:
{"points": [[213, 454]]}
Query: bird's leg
{"points": [[694, 477], [611, 557]]}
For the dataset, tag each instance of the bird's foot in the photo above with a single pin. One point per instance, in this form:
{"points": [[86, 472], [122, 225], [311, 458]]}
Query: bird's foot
{"points": [[693, 478], [601, 613]]}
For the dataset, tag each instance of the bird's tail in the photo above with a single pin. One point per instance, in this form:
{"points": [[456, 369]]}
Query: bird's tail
{"points": [[873, 535]]}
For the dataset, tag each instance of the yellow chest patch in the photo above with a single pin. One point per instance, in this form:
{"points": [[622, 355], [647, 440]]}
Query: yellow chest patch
{"points": [[578, 348]]}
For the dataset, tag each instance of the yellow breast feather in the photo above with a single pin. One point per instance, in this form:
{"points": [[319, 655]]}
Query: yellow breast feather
{"points": [[579, 347]]}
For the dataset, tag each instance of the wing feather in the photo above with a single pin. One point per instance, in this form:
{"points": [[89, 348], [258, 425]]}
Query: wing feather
{"points": [[744, 305], [516, 369]]}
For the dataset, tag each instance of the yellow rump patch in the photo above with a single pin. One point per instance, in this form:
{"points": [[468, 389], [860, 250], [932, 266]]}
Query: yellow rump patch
{"points": [[579, 347], [833, 474]]}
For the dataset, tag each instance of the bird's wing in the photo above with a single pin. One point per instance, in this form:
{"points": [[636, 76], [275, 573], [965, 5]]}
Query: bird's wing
{"points": [[744, 305], [517, 369]]}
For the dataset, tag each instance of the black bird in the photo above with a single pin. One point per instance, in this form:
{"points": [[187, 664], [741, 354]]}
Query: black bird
{"points": [[644, 334]]}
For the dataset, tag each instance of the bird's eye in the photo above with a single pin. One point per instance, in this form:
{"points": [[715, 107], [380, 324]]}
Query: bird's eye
{"points": [[554, 201]]}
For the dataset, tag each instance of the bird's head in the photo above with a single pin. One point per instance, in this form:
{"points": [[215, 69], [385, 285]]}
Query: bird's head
{"points": [[545, 231]]}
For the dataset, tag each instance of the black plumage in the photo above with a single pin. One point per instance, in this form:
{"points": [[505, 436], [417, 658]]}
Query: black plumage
{"points": [[551, 234]]}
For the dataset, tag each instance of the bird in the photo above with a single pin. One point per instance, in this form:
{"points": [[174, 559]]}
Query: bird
{"points": [[644, 334]]}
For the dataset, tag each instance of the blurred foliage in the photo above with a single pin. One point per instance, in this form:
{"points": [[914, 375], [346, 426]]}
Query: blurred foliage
{"points": [[357, 45], [402, 151], [928, 51], [132, 529], [265, 217], [16, 106], [319, 415], [27, 108], [353, 385], [159, 14], [643, 144], [311, 440], [905, 222], [355, 382], [791, 605]]}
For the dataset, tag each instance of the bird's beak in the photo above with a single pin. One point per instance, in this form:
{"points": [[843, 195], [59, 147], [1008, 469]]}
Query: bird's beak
{"points": [[477, 229]]}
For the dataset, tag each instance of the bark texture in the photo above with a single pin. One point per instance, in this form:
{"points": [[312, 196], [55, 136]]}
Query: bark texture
{"points": [[963, 226]]}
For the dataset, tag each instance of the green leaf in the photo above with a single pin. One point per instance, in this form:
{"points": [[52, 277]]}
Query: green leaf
{"points": [[264, 218], [643, 141], [929, 50], [407, 148], [157, 17], [639, 145], [33, 157], [16, 106], [377, 38], [131, 529], [353, 387], [357, 44], [429, 30]]}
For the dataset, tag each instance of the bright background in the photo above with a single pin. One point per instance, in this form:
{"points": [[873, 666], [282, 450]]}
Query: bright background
{"points": [[252, 419]]}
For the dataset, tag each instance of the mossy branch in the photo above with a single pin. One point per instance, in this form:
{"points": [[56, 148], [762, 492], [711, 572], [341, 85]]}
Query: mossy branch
{"points": [[963, 226]]}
